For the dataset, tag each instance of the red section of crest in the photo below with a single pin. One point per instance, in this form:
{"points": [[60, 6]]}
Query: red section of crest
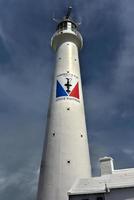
{"points": [[75, 91]]}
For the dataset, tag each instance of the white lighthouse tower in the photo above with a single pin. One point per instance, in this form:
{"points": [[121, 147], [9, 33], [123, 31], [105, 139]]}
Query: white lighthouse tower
{"points": [[66, 154]]}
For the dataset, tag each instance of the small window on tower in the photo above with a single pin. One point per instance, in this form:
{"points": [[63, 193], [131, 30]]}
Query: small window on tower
{"points": [[68, 108], [68, 161], [53, 134]]}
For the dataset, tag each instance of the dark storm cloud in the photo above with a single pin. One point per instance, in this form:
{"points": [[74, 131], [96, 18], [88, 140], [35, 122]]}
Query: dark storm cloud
{"points": [[25, 71], [110, 104], [26, 65]]}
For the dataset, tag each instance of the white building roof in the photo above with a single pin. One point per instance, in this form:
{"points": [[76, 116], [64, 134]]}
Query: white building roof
{"points": [[123, 178]]}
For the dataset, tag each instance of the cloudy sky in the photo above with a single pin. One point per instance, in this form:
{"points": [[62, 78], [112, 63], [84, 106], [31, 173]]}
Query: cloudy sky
{"points": [[26, 68]]}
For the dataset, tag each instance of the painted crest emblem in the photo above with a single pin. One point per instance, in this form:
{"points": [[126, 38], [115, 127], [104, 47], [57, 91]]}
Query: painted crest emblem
{"points": [[67, 86]]}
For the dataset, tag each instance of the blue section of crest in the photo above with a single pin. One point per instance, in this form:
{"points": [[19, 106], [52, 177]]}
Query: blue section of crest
{"points": [[60, 90]]}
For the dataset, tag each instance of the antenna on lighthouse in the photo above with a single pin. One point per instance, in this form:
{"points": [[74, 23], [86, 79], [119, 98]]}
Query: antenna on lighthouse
{"points": [[67, 16], [68, 12]]}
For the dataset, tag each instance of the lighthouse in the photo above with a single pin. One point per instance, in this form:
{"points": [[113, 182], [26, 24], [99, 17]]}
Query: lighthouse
{"points": [[65, 155]]}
